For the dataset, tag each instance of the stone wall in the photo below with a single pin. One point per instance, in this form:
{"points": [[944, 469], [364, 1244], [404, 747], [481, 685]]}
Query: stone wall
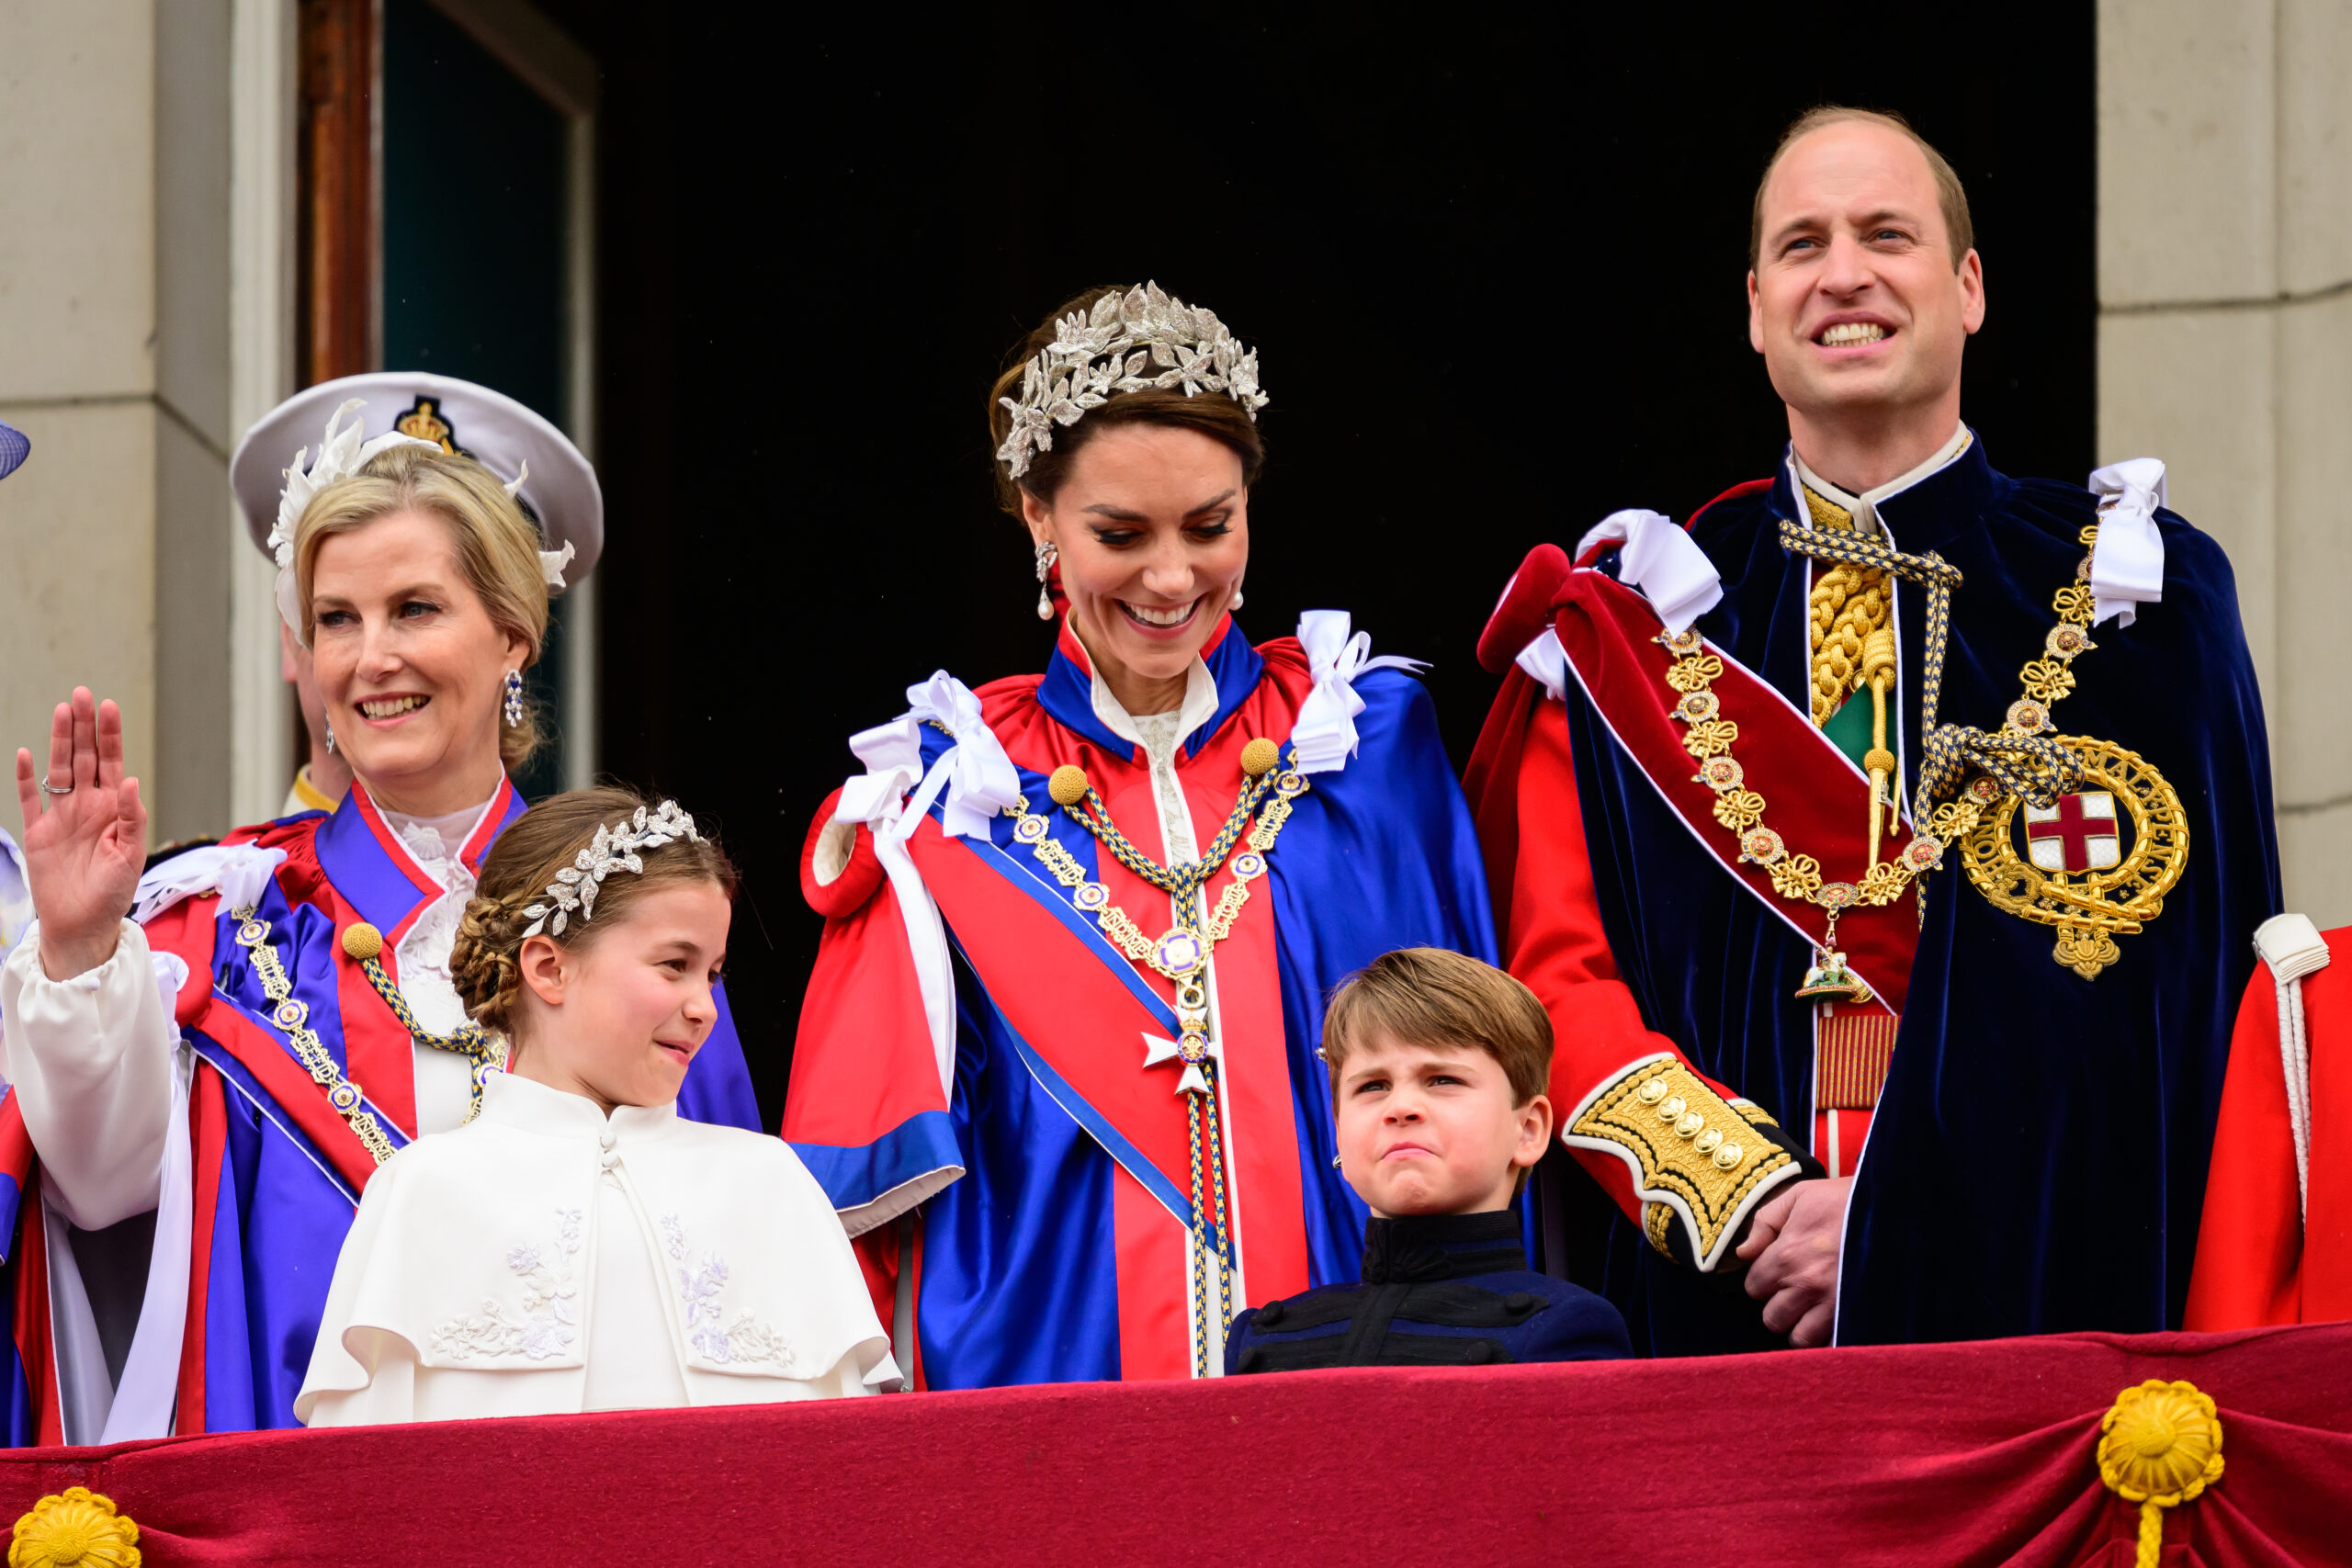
{"points": [[77, 368], [2225, 348]]}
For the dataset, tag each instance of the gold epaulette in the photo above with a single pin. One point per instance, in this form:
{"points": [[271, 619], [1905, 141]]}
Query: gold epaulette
{"points": [[1695, 1155]]}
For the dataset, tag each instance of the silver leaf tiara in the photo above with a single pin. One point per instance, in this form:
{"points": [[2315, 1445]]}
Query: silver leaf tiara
{"points": [[615, 848], [1142, 340]]}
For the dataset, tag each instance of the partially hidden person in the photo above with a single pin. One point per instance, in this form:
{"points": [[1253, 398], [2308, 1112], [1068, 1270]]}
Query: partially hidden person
{"points": [[579, 1244], [2276, 1245], [1897, 825], [1437, 1065]]}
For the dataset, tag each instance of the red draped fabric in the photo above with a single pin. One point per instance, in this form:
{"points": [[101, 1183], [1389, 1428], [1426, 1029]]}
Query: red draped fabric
{"points": [[1957, 1454]]}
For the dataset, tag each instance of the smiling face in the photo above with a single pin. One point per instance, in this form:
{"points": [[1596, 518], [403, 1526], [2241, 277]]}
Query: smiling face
{"points": [[616, 1017], [1855, 301], [1431, 1129], [1152, 523], [411, 669]]}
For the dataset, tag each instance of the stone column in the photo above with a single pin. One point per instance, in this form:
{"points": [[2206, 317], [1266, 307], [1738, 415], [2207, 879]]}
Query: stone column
{"points": [[2225, 349], [78, 367], [146, 158]]}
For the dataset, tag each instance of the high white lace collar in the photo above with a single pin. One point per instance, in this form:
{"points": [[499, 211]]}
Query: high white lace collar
{"points": [[436, 841], [1150, 731]]}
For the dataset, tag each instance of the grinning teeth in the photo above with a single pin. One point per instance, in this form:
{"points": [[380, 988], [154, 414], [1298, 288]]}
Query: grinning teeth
{"points": [[392, 707], [1157, 617], [1847, 332]]}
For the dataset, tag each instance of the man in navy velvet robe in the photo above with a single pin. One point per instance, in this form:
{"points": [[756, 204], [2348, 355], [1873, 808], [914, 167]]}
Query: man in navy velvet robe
{"points": [[2013, 974]]}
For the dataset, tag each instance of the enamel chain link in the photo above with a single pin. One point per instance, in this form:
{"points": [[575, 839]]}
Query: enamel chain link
{"points": [[293, 1016]]}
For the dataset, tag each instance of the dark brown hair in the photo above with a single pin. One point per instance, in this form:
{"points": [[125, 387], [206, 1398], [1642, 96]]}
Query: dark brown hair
{"points": [[1212, 413], [1959, 231], [1426, 996], [483, 963]]}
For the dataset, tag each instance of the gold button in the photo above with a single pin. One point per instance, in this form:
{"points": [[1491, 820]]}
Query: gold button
{"points": [[1708, 1140], [1689, 1124], [1651, 1092], [1728, 1156], [1067, 784], [1672, 1109]]}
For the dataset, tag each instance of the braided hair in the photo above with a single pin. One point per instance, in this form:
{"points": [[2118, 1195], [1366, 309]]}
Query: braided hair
{"points": [[485, 962]]}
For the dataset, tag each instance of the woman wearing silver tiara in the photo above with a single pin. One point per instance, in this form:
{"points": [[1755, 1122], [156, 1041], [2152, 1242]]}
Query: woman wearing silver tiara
{"points": [[278, 1016], [1057, 1064], [578, 1247]]}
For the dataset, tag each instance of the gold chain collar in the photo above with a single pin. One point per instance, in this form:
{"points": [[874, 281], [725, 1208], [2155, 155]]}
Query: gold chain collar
{"points": [[1797, 876]]}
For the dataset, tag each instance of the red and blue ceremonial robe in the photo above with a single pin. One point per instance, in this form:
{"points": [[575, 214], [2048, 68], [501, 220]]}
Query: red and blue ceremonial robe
{"points": [[2035, 1158], [1044, 1164], [276, 1171]]}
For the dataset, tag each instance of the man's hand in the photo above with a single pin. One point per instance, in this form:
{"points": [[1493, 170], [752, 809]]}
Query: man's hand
{"points": [[1791, 1256]]}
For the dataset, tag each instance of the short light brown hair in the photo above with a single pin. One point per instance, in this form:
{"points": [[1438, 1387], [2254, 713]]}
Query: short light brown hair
{"points": [[1426, 996], [1950, 196], [483, 963], [498, 547]]}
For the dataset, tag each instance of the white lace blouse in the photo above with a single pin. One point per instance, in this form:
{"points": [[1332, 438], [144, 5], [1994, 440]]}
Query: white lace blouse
{"points": [[545, 1258]]}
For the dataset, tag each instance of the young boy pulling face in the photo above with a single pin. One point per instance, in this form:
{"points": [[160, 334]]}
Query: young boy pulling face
{"points": [[1437, 1065]]}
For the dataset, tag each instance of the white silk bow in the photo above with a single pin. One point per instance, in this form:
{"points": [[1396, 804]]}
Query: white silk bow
{"points": [[1659, 559], [1325, 735], [892, 798], [2128, 561]]}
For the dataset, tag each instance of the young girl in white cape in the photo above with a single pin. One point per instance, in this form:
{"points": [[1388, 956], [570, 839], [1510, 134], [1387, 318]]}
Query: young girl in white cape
{"points": [[576, 1246]]}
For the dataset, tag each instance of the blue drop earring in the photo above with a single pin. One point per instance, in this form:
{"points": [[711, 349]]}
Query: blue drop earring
{"points": [[513, 699], [328, 720]]}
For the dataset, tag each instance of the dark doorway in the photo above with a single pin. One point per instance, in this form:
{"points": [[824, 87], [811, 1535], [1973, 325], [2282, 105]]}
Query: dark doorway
{"points": [[1493, 262]]}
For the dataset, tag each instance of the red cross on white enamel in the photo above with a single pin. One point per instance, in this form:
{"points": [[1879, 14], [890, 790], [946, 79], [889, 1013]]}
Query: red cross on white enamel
{"points": [[2081, 827]]}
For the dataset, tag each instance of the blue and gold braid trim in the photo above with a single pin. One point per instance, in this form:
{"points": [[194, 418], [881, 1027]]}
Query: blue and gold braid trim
{"points": [[366, 943], [1075, 795]]}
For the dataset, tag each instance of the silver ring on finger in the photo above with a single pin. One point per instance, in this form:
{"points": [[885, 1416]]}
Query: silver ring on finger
{"points": [[53, 790]]}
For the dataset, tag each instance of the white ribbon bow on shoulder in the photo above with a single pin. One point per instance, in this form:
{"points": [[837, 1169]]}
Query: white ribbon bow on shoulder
{"points": [[1661, 561], [1325, 736], [892, 797], [2128, 561]]}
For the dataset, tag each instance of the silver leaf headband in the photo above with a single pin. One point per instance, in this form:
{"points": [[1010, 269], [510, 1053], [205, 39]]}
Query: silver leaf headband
{"points": [[615, 848], [1142, 340]]}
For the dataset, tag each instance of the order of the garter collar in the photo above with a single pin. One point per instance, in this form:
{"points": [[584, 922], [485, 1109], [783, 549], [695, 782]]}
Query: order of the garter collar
{"points": [[1143, 340]]}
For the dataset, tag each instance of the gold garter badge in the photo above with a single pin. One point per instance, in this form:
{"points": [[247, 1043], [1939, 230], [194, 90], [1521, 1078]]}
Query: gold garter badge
{"points": [[2096, 864]]}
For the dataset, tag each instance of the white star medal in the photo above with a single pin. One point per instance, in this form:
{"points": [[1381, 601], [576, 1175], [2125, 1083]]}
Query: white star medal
{"points": [[1193, 1048]]}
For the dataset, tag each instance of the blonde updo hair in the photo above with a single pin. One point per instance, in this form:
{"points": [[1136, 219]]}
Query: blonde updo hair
{"points": [[498, 547], [484, 962]]}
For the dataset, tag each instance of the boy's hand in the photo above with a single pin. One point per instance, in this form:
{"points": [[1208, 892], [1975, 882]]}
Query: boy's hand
{"points": [[1792, 1253]]}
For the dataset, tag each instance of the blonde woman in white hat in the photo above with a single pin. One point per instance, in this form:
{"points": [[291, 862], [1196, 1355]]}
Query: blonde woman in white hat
{"points": [[276, 1016]]}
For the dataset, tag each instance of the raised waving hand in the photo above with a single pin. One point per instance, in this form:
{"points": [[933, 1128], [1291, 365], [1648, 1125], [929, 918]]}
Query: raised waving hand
{"points": [[83, 852]]}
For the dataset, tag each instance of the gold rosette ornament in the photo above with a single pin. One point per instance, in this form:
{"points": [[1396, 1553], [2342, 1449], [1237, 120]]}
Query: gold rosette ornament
{"points": [[75, 1528], [2159, 1446]]}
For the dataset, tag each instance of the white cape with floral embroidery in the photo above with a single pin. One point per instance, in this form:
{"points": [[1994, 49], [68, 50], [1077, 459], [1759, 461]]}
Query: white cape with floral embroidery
{"points": [[545, 1258]]}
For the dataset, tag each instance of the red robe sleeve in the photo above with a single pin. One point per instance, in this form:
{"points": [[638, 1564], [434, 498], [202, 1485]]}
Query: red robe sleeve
{"points": [[1554, 943], [2260, 1258]]}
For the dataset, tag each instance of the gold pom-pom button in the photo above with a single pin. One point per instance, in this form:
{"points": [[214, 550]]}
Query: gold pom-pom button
{"points": [[362, 942], [1068, 785], [75, 1526], [1877, 760], [1261, 757]]}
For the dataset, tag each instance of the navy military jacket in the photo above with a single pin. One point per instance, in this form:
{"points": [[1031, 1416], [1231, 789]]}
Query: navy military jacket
{"points": [[1438, 1291]]}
